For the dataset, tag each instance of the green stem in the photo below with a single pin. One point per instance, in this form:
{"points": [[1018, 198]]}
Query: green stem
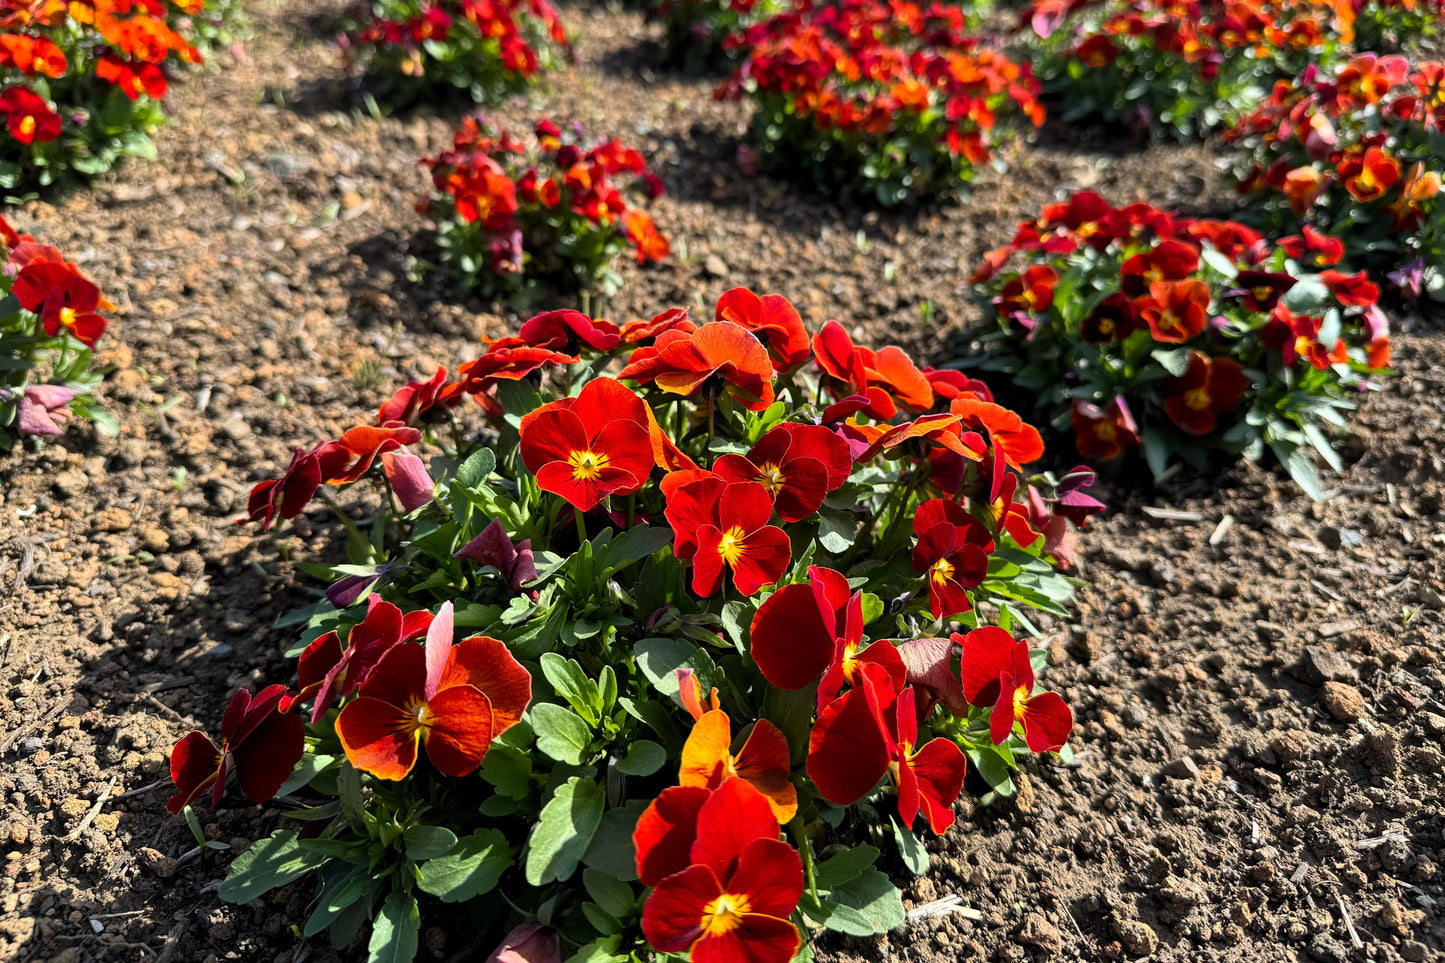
{"points": [[581, 524], [805, 850]]}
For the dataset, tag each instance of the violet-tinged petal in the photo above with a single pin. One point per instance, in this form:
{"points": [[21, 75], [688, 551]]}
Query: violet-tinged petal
{"points": [[528, 943], [43, 409], [409, 479]]}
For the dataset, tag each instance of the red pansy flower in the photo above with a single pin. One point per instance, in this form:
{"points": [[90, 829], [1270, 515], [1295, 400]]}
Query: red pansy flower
{"points": [[1029, 293], [567, 331], [288, 495], [509, 359], [330, 672], [763, 761], [773, 319], [996, 671], [29, 117], [1175, 310], [724, 884], [1103, 433], [728, 528], [349, 457], [1113, 319], [1297, 336], [714, 358], [672, 318], [452, 699], [591, 446], [63, 298], [415, 398], [798, 465], [952, 549], [1368, 177], [259, 742], [1263, 289], [1169, 260], [1351, 290], [1209, 388], [1314, 248]]}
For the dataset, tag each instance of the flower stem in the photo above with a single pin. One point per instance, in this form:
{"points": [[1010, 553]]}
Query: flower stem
{"points": [[805, 850], [581, 525]]}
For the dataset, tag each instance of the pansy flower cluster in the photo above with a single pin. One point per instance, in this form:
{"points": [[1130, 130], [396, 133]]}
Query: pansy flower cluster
{"points": [[890, 100], [49, 324], [512, 215], [1357, 153], [1177, 68], [644, 609], [1141, 329], [81, 83], [484, 49]]}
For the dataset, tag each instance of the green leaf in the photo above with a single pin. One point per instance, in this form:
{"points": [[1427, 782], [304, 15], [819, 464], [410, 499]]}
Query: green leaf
{"points": [[396, 930], [604, 949], [613, 895], [1298, 464], [564, 830], [508, 769], [601, 920], [644, 757], [479, 464], [469, 870], [836, 532], [634, 545], [611, 849], [1156, 450], [876, 904], [847, 865], [910, 847], [271, 862], [994, 770], [1173, 360], [737, 619], [660, 659], [571, 683], [428, 842], [561, 733]]}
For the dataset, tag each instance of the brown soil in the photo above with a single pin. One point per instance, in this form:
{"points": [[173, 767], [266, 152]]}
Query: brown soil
{"points": [[1261, 698]]}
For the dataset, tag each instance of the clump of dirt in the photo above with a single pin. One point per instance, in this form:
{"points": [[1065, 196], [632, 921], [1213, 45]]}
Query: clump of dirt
{"points": [[1258, 683]]}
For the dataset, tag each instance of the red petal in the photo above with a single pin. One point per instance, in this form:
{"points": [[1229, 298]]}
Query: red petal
{"points": [[673, 914], [400, 676], [550, 435], [760, 939], [746, 505], [765, 560], [770, 875], [265, 760], [461, 730], [194, 764], [665, 831], [707, 564], [789, 641], [987, 653], [766, 763], [939, 767], [734, 815], [377, 737], [317, 659], [1047, 722], [487, 665], [848, 752], [1002, 717]]}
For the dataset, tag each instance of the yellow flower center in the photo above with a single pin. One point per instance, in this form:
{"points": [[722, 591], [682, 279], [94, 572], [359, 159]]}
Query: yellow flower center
{"points": [[1262, 293], [1198, 399], [1104, 431], [1106, 327], [67, 317], [1168, 320], [724, 914], [586, 465], [1302, 345], [770, 476], [27, 125], [417, 717], [731, 546], [1021, 696], [942, 570]]}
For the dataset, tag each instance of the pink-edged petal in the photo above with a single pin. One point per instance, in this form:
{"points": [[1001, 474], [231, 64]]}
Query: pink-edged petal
{"points": [[438, 647]]}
